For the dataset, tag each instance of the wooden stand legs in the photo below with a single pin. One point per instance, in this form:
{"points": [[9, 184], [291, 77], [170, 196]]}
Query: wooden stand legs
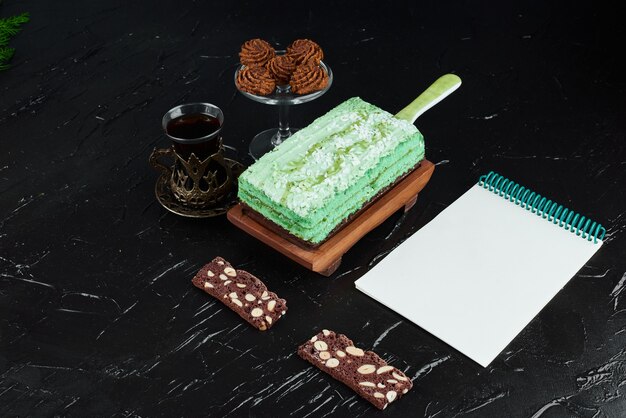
{"points": [[335, 265], [408, 205], [332, 268]]}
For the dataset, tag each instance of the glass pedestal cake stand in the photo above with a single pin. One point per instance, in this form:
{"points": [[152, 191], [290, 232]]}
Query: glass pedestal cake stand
{"points": [[282, 97]]}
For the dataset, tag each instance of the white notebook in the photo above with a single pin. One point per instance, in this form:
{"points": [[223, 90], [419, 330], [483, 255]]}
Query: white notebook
{"points": [[479, 272]]}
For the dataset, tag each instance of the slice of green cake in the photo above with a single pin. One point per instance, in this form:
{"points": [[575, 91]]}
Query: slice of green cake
{"points": [[324, 173]]}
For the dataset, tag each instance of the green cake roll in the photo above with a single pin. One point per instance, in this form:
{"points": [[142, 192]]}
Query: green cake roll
{"points": [[328, 171]]}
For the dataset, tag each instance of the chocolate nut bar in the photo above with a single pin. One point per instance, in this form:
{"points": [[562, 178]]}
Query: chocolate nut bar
{"points": [[242, 292], [363, 371]]}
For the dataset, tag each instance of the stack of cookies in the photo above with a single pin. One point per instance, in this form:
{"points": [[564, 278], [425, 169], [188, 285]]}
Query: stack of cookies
{"points": [[299, 67]]}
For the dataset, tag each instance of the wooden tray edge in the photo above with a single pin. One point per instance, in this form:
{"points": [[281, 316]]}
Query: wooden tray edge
{"points": [[328, 255]]}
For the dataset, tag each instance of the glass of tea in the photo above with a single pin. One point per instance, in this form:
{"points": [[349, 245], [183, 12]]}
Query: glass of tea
{"points": [[194, 128], [199, 176]]}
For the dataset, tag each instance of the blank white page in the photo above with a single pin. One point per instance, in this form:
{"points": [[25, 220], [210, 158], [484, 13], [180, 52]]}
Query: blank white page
{"points": [[478, 273]]}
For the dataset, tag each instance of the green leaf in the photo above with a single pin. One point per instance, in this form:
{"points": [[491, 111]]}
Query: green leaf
{"points": [[9, 27], [6, 53], [16, 20]]}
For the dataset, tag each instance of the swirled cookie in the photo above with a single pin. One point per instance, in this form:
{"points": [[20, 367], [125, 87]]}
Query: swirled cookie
{"points": [[281, 68], [308, 78], [256, 52], [305, 50], [256, 80]]}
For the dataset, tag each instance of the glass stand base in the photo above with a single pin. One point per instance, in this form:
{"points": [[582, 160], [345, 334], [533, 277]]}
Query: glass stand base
{"points": [[264, 142]]}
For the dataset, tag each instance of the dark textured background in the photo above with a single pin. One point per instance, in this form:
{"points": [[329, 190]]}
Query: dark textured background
{"points": [[97, 313]]}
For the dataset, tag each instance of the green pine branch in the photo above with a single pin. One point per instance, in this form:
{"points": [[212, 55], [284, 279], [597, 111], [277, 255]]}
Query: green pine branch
{"points": [[9, 27], [6, 54]]}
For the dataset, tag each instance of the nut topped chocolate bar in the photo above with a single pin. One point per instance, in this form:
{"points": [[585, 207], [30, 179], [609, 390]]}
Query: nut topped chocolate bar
{"points": [[242, 292], [363, 371]]}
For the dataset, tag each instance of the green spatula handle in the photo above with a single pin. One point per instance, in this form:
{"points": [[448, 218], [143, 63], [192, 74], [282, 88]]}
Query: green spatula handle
{"points": [[437, 91]]}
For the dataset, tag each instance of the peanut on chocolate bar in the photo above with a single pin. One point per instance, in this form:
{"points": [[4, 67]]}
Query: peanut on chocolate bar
{"points": [[241, 292], [363, 371]]}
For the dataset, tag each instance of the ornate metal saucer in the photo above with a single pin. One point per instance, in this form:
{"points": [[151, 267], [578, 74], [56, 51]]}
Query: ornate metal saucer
{"points": [[166, 198]]}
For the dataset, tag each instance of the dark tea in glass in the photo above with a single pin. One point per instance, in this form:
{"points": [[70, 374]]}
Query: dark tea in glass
{"points": [[194, 128]]}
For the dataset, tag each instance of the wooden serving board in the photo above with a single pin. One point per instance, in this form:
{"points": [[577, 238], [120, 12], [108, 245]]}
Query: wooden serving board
{"points": [[326, 258]]}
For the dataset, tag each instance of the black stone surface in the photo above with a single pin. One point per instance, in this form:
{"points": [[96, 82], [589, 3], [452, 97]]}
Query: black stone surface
{"points": [[98, 316]]}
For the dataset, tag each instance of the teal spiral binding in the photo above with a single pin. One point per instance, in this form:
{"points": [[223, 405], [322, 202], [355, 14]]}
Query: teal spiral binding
{"points": [[544, 207]]}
